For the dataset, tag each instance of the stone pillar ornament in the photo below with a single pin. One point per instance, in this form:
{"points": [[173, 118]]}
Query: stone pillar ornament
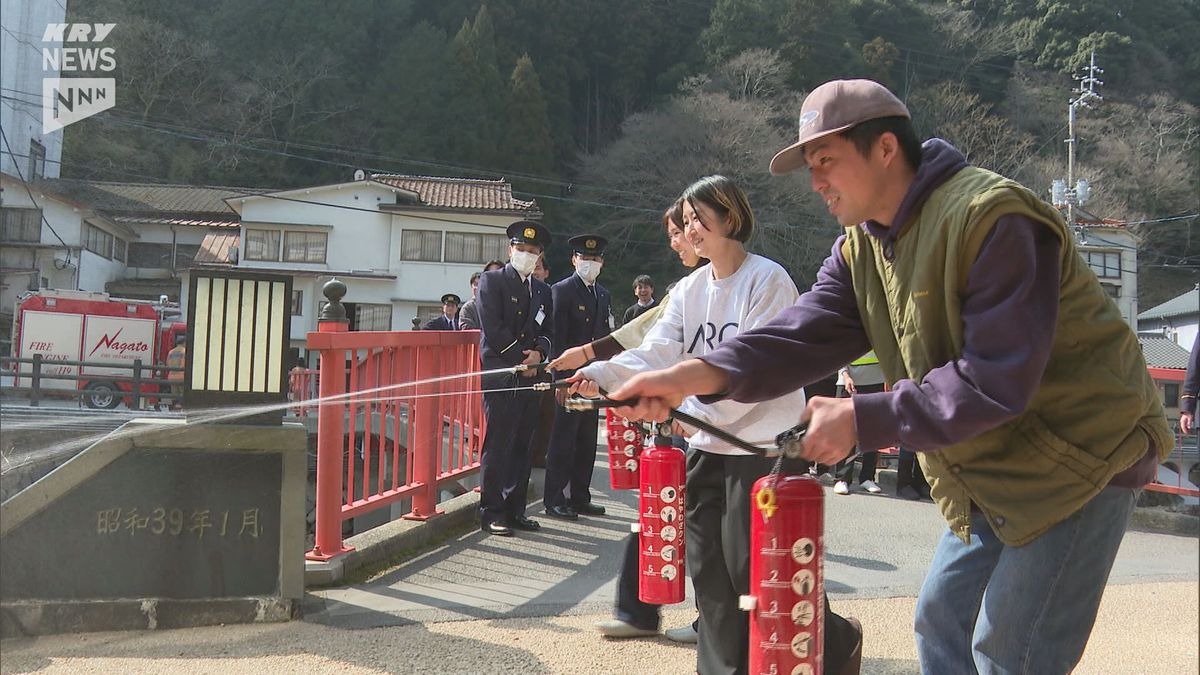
{"points": [[334, 291]]}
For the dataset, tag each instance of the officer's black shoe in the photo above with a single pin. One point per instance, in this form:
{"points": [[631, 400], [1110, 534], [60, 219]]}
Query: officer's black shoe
{"points": [[588, 509], [498, 529], [527, 524], [563, 512]]}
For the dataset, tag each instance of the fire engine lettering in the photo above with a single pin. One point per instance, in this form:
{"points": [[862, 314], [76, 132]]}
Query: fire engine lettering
{"points": [[111, 342], [41, 345]]}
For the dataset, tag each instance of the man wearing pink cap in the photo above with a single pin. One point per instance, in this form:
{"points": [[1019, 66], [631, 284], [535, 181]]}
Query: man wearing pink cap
{"points": [[1010, 368]]}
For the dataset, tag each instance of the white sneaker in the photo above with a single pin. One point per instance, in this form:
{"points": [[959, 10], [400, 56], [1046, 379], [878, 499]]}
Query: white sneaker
{"points": [[615, 628], [841, 488], [871, 486], [686, 634]]}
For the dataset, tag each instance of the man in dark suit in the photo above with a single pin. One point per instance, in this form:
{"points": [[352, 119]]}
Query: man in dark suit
{"points": [[448, 320], [515, 314], [581, 314]]}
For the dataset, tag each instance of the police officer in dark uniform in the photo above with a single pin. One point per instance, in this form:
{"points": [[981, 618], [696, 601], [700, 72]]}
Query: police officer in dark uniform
{"points": [[515, 321], [448, 319], [581, 315]]}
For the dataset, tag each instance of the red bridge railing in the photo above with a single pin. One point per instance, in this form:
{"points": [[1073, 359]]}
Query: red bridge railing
{"points": [[380, 437]]}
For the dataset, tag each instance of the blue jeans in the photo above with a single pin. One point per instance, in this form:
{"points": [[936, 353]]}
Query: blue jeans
{"points": [[988, 607]]}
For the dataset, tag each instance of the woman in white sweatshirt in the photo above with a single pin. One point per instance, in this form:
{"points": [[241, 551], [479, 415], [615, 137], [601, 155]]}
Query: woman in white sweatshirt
{"points": [[736, 291]]}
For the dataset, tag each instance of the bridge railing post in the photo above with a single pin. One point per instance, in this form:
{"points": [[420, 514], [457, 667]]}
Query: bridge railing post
{"points": [[330, 429]]}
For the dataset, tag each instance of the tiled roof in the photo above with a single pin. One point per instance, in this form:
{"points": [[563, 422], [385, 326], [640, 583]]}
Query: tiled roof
{"points": [[230, 220], [217, 248], [459, 193], [1188, 303], [1161, 352], [129, 198]]}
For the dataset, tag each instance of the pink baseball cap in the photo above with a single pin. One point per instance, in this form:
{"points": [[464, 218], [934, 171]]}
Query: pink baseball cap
{"points": [[835, 107]]}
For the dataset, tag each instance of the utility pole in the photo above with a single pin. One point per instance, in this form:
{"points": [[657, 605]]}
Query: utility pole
{"points": [[1071, 193]]}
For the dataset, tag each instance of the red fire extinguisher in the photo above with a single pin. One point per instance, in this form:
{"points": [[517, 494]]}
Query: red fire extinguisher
{"points": [[787, 599], [624, 445], [660, 525]]}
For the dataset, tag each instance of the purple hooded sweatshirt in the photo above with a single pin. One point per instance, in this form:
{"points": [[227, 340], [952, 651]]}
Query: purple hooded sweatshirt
{"points": [[1009, 313]]}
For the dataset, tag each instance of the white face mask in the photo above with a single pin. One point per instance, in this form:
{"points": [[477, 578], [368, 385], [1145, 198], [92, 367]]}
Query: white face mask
{"points": [[524, 262], [588, 270]]}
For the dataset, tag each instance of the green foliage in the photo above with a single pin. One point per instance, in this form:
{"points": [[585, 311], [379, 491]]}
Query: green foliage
{"points": [[528, 143]]}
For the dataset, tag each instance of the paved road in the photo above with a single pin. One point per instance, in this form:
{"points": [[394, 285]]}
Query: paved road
{"points": [[527, 604]]}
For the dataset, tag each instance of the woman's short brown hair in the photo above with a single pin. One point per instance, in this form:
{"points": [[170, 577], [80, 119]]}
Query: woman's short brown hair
{"points": [[673, 214], [722, 195]]}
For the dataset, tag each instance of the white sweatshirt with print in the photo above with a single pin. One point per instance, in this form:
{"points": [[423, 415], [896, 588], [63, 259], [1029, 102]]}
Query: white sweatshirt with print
{"points": [[700, 313]]}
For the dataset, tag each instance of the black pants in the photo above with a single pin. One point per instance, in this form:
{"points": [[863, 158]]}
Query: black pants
{"points": [[908, 473], [505, 460], [629, 607], [845, 470], [718, 558], [571, 458]]}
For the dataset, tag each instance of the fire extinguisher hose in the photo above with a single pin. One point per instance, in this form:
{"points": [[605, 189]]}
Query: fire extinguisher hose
{"points": [[788, 443]]}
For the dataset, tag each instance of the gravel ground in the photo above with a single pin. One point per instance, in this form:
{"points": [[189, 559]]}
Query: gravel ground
{"points": [[1142, 628]]}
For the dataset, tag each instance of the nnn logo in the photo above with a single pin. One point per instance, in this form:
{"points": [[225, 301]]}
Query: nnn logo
{"points": [[68, 100]]}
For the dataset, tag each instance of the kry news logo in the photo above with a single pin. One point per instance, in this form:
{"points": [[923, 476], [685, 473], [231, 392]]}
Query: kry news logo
{"points": [[66, 100]]}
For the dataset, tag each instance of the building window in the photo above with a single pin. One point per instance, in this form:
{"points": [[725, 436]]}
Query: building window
{"points": [[98, 241], [262, 245], [120, 250], [297, 303], [466, 247], [369, 316], [1106, 264], [1113, 290], [1171, 394], [20, 225], [37, 160], [425, 245], [304, 247]]}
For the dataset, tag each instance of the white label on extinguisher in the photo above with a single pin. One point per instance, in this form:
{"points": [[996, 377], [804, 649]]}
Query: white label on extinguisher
{"points": [[668, 514], [803, 582], [803, 613], [801, 644], [802, 669], [803, 550], [668, 494], [668, 553], [631, 465], [668, 533], [669, 572]]}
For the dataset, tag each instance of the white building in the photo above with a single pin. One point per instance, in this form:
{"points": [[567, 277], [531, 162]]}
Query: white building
{"points": [[1177, 319], [131, 240], [49, 240], [25, 151], [167, 222], [1110, 250], [398, 242]]}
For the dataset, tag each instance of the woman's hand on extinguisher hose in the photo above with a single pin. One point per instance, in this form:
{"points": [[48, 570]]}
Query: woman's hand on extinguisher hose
{"points": [[831, 434], [658, 391], [582, 386]]}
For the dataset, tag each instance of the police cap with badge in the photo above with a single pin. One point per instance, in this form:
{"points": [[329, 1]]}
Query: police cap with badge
{"points": [[451, 299], [529, 232], [588, 244]]}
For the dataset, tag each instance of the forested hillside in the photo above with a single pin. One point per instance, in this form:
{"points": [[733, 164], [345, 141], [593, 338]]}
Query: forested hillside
{"points": [[603, 110]]}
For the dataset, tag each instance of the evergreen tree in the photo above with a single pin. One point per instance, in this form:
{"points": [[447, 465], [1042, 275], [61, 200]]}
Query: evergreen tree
{"points": [[529, 144]]}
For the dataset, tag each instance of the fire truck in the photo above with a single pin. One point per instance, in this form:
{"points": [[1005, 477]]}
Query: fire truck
{"points": [[93, 328]]}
